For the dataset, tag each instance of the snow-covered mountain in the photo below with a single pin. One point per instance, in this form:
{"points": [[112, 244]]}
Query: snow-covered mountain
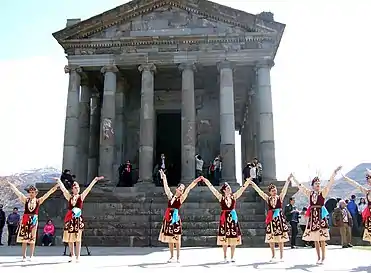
{"points": [[341, 188], [22, 180]]}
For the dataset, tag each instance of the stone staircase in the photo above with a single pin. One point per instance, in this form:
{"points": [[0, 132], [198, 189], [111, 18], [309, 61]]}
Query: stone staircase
{"points": [[133, 216]]}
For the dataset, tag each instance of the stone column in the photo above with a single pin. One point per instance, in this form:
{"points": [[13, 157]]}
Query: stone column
{"points": [[227, 123], [147, 123], [94, 136], [266, 130], [71, 129], [188, 122], [119, 125], [84, 122], [107, 139]]}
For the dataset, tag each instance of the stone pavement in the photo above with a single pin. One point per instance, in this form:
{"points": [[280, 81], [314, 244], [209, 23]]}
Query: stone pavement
{"points": [[195, 259]]}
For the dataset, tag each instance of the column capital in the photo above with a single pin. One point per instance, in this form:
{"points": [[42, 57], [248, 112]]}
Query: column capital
{"points": [[269, 63], [72, 68], [187, 66], [109, 68], [225, 64], [149, 67]]}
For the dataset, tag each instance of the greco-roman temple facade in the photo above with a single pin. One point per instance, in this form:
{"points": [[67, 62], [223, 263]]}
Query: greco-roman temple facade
{"points": [[174, 77]]}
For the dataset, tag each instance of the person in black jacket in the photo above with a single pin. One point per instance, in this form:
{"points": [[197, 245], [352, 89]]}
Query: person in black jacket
{"points": [[2, 222]]}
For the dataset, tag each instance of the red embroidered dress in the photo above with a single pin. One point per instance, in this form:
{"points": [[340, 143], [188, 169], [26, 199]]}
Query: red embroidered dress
{"points": [[28, 226], [277, 229], [73, 221], [171, 230], [317, 227], [229, 231]]}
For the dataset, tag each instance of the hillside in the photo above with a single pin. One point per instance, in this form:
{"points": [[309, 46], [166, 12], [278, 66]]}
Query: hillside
{"points": [[22, 180], [341, 188]]}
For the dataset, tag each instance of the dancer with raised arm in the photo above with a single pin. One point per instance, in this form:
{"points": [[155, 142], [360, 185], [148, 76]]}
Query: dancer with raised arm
{"points": [[27, 231], [171, 230], [276, 231], [229, 231], [366, 213], [73, 221], [317, 229]]}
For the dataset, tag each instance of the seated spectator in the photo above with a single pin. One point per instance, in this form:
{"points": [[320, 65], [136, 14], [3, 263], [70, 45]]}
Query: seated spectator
{"points": [[48, 234]]}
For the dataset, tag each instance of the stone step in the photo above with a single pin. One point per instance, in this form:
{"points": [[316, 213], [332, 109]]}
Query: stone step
{"points": [[143, 241], [89, 206], [157, 218], [146, 232]]}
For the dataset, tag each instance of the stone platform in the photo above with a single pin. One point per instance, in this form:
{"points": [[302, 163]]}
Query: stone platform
{"points": [[206, 259], [133, 216]]}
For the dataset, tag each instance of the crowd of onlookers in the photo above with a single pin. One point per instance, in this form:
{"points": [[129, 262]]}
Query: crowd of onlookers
{"points": [[12, 222]]}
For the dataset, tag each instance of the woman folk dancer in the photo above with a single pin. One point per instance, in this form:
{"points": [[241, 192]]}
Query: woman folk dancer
{"points": [[73, 221], [171, 230], [276, 231], [317, 229], [27, 231], [366, 213], [229, 231]]}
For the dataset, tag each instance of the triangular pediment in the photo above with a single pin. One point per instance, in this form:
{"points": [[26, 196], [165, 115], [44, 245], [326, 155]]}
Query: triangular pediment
{"points": [[141, 18]]}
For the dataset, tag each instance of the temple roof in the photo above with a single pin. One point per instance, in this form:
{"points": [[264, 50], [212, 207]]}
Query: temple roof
{"points": [[261, 23]]}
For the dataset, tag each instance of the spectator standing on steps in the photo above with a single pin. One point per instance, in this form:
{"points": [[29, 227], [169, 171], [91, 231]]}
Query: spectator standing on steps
{"points": [[13, 223], [259, 170], [199, 165], [2, 223], [343, 219], [292, 216]]}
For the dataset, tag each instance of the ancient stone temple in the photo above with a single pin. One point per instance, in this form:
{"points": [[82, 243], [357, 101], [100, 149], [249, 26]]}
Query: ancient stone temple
{"points": [[173, 77]]}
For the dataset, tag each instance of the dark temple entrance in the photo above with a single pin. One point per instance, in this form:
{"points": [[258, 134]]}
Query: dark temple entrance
{"points": [[168, 142]]}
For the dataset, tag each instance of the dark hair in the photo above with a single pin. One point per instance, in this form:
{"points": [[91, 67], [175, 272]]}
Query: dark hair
{"points": [[199, 157], [15, 208], [368, 176], [31, 188], [292, 198], [305, 209], [353, 196], [316, 179], [223, 187], [362, 200], [271, 187]]}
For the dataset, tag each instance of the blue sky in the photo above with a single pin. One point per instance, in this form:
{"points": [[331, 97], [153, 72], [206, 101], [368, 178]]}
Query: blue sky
{"points": [[320, 83]]}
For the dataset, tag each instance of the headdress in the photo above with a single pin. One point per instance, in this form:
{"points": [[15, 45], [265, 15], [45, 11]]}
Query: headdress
{"points": [[31, 188], [271, 187], [225, 185], [314, 180], [368, 175]]}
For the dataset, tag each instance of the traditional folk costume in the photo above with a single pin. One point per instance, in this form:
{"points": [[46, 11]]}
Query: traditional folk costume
{"points": [[73, 221], [366, 213], [171, 230], [27, 231], [317, 228], [229, 231], [276, 230]]}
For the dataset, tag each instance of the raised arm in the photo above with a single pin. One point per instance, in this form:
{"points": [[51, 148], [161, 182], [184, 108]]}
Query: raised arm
{"points": [[167, 190], [88, 189], [326, 189], [301, 187], [240, 191], [49, 192], [285, 187], [17, 192], [259, 191], [217, 194], [188, 189], [355, 184], [65, 192]]}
